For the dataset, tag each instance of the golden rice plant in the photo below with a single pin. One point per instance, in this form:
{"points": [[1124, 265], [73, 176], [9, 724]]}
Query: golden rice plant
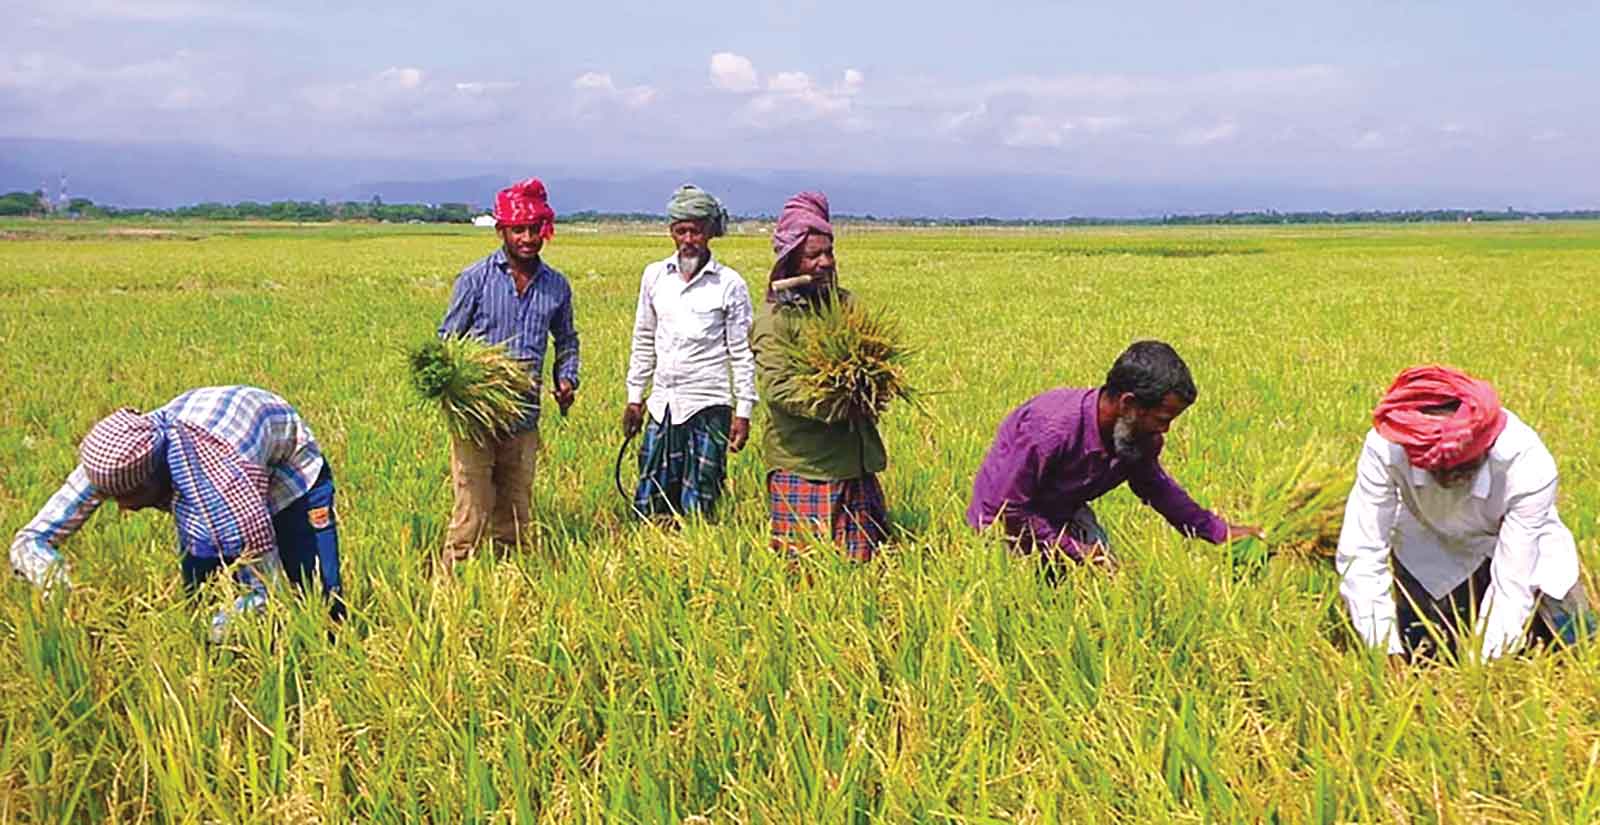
{"points": [[1299, 506], [849, 362], [481, 391]]}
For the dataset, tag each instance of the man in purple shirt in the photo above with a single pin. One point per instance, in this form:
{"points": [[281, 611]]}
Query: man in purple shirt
{"points": [[1067, 447]]}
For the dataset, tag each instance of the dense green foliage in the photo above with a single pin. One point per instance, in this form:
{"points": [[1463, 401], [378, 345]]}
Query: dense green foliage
{"points": [[614, 672]]}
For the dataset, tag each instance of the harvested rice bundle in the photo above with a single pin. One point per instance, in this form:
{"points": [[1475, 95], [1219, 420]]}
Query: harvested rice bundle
{"points": [[1300, 508], [481, 391], [849, 361]]}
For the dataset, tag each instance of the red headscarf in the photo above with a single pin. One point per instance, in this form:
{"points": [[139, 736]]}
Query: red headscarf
{"points": [[1439, 442], [525, 203]]}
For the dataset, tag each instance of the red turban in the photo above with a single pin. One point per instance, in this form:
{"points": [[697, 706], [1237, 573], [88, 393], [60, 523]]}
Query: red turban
{"points": [[523, 204], [1439, 442]]}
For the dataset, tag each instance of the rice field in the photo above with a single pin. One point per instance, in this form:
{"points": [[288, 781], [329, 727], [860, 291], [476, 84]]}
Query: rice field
{"points": [[615, 672]]}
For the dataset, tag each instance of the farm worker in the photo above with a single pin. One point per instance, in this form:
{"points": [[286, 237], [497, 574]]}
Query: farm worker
{"points": [[691, 330], [511, 297], [241, 474], [1462, 495], [822, 475], [1066, 447]]}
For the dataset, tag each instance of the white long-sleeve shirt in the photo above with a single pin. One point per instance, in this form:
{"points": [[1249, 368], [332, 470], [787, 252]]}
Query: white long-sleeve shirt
{"points": [[687, 339], [1507, 513]]}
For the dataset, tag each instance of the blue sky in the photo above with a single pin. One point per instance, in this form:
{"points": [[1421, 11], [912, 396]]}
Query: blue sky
{"points": [[1354, 94]]}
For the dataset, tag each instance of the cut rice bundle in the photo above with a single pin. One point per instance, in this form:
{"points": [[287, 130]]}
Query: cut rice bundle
{"points": [[848, 362], [479, 389], [1300, 508]]}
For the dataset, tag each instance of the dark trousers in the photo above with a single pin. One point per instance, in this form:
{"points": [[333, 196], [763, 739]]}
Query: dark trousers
{"points": [[1420, 617], [308, 544]]}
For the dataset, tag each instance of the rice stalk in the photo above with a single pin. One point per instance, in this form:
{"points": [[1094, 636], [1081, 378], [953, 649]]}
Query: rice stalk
{"points": [[848, 362], [481, 392], [1299, 506]]}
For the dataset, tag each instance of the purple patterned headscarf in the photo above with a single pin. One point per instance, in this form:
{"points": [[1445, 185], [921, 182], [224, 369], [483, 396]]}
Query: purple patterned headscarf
{"points": [[802, 215]]}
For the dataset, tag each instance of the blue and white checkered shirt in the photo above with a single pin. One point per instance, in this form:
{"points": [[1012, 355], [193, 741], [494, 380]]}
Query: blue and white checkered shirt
{"points": [[263, 427], [484, 304]]}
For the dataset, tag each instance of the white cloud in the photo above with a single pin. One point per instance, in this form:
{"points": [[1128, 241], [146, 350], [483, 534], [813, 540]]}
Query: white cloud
{"points": [[483, 87], [963, 121], [1207, 135], [733, 73], [180, 80], [401, 77], [1370, 139], [405, 98], [793, 97], [1033, 131], [789, 83], [100, 12], [1103, 123], [600, 86], [594, 82]]}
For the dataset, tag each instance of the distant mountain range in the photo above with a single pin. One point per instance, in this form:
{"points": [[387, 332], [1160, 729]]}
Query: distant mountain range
{"points": [[171, 174]]}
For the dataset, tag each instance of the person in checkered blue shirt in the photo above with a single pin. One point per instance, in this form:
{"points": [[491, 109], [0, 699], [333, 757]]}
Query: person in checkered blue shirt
{"points": [[241, 474]]}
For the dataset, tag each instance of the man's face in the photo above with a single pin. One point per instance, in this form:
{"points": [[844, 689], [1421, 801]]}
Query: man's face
{"points": [[1461, 473], [692, 240], [1458, 475], [815, 258], [523, 241], [156, 492], [1137, 427]]}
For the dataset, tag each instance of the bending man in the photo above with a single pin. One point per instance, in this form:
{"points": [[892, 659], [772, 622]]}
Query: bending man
{"points": [[1065, 448], [1461, 495], [239, 471]]}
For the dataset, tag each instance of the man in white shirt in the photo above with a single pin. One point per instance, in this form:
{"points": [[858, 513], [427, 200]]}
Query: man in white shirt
{"points": [[1462, 494], [691, 332]]}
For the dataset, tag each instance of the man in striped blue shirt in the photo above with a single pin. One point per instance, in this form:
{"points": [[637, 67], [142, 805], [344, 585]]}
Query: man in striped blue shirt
{"points": [[238, 469], [511, 297]]}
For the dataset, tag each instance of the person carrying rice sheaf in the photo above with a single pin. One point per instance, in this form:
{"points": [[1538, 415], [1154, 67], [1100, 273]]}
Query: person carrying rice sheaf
{"points": [[690, 331], [511, 297], [1452, 524], [239, 471], [822, 477], [1066, 447]]}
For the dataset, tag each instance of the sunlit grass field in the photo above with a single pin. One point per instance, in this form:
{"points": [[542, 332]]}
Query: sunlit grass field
{"points": [[619, 673]]}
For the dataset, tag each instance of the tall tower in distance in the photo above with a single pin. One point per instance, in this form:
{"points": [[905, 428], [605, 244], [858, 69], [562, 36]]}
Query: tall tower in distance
{"points": [[62, 201], [44, 197]]}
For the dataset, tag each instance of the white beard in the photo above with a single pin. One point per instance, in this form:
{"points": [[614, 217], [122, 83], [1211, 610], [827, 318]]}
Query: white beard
{"points": [[1125, 444], [689, 265]]}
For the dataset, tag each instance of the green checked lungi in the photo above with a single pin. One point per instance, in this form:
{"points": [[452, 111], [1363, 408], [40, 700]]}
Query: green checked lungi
{"points": [[682, 464]]}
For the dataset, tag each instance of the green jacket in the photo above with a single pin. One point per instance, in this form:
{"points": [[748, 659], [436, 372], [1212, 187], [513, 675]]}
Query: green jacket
{"points": [[812, 448]]}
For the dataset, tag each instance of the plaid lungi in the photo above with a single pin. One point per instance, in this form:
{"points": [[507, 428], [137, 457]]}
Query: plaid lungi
{"points": [[682, 465], [851, 512]]}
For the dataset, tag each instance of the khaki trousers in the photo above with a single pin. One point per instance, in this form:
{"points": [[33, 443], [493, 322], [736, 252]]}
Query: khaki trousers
{"points": [[493, 492]]}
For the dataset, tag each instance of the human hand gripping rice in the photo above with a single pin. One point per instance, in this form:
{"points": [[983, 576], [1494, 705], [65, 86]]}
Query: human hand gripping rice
{"points": [[481, 391], [849, 362]]}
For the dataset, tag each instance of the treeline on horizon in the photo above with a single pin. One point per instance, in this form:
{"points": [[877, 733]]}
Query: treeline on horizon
{"points": [[35, 204]]}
